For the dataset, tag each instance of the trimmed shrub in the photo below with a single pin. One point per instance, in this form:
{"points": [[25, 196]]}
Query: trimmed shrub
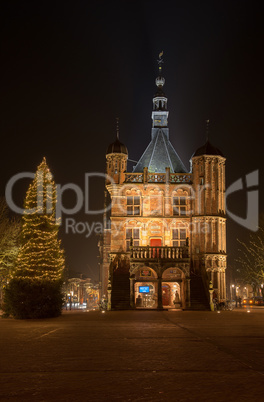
{"points": [[31, 298]]}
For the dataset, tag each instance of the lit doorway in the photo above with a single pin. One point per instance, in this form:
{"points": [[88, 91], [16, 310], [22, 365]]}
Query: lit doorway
{"points": [[166, 295], [156, 243], [171, 295], [145, 295]]}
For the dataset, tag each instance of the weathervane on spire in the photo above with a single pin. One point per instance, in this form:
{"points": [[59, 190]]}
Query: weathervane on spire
{"points": [[160, 61]]}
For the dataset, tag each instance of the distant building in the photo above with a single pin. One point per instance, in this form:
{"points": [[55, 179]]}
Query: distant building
{"points": [[167, 239], [80, 291]]}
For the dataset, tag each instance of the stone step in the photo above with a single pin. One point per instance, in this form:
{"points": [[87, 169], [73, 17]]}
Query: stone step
{"points": [[198, 297]]}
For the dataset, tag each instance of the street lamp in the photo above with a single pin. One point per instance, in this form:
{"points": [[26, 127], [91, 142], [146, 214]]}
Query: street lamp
{"points": [[69, 299], [246, 291], [232, 291], [71, 295]]}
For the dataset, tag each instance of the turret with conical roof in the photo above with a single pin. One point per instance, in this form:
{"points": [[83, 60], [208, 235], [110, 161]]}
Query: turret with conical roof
{"points": [[117, 148], [208, 214], [208, 149], [116, 157], [208, 169]]}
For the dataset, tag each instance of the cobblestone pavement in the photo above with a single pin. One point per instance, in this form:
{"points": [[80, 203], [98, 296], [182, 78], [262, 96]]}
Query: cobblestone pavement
{"points": [[134, 356]]}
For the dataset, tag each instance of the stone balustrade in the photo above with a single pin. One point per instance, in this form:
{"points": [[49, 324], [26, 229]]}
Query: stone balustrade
{"points": [[148, 177], [165, 253]]}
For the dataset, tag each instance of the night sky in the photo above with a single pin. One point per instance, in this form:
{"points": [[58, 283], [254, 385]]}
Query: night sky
{"points": [[70, 68]]}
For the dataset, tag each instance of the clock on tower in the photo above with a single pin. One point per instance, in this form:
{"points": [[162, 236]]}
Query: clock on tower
{"points": [[160, 121]]}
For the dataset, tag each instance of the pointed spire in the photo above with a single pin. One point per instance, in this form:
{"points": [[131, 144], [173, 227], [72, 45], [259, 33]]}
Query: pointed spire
{"points": [[117, 128], [207, 129]]}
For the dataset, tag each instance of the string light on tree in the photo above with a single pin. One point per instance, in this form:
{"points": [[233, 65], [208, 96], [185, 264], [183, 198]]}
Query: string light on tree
{"points": [[40, 256]]}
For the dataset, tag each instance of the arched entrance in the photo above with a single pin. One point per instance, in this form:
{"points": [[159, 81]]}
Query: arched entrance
{"points": [[145, 288], [166, 294], [150, 289], [173, 288]]}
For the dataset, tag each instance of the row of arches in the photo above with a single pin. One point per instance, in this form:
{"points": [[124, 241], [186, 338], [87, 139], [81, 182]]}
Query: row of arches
{"points": [[152, 288]]}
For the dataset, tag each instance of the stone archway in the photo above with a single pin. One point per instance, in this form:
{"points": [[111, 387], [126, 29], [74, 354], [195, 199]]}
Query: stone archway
{"points": [[143, 287], [177, 278], [173, 288]]}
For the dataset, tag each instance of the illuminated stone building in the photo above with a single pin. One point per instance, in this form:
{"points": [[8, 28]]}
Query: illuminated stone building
{"points": [[167, 239]]}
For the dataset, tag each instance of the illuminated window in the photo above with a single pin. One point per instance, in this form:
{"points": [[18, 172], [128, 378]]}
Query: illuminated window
{"points": [[133, 205], [132, 238], [179, 237], [179, 206]]}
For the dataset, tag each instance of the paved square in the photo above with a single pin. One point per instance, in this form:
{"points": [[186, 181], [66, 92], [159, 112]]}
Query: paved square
{"points": [[134, 356]]}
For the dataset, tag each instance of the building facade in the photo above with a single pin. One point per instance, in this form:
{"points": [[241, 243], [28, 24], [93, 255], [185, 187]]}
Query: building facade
{"points": [[167, 238], [80, 292]]}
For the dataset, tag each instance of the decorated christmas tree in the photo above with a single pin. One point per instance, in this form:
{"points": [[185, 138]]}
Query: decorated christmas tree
{"points": [[40, 256], [35, 290]]}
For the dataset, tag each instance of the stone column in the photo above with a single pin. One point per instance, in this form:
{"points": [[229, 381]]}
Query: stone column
{"points": [[223, 187], [224, 280], [132, 292], [160, 306], [109, 292], [219, 285], [188, 292], [223, 290]]}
